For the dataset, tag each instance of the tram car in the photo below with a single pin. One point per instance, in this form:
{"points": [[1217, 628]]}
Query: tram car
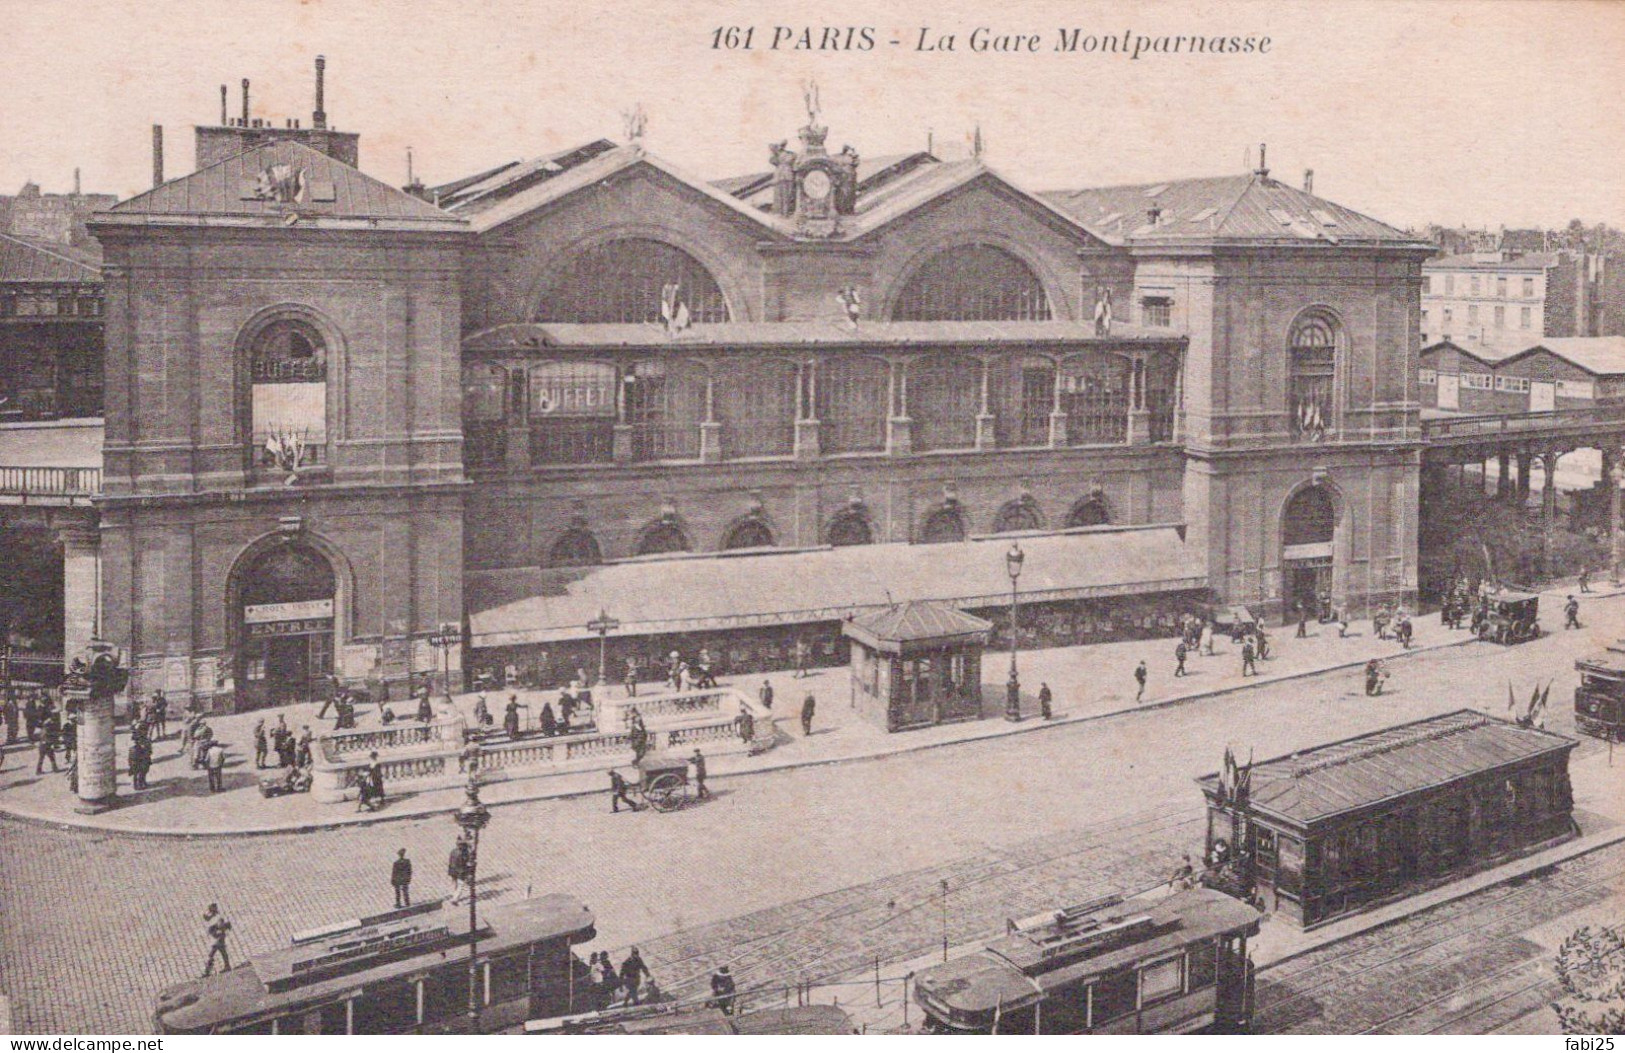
{"points": [[701, 1020], [402, 972], [1173, 965], [1599, 701]]}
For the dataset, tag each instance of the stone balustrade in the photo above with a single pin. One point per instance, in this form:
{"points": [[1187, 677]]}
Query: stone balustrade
{"points": [[417, 757]]}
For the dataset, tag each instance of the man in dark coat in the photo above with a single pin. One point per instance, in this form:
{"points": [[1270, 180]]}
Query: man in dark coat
{"points": [[400, 879], [1180, 651], [765, 695], [457, 869], [140, 762], [809, 706], [633, 973], [371, 784], [160, 713], [1139, 678], [550, 723], [1046, 700], [262, 747], [425, 712], [722, 990], [698, 760], [216, 927], [46, 747]]}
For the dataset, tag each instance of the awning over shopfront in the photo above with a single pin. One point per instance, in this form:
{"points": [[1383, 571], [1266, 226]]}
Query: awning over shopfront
{"points": [[740, 590]]}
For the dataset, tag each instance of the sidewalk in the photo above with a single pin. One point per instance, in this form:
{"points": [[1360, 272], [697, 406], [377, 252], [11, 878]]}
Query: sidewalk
{"points": [[1090, 683]]}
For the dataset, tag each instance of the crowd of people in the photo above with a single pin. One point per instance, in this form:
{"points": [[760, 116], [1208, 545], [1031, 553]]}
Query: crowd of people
{"points": [[32, 715]]}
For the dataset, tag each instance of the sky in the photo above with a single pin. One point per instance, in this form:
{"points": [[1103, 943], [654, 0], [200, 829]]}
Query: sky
{"points": [[1484, 112]]}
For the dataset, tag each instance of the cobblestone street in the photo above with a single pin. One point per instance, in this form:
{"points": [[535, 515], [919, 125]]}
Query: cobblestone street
{"points": [[806, 873]]}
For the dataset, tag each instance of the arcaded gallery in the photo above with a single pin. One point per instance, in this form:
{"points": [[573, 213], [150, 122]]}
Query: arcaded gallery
{"points": [[728, 413]]}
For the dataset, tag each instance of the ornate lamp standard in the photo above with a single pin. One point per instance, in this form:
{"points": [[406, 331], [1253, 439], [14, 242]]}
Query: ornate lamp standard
{"points": [[472, 817], [1012, 690]]}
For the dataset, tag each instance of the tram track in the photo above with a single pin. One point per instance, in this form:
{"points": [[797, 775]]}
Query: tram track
{"points": [[1436, 969]]}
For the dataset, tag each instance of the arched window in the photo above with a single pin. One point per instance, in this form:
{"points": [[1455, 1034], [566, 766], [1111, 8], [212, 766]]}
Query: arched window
{"points": [[749, 533], [288, 394], [1090, 511], [1309, 518], [850, 528], [945, 524], [624, 281], [972, 283], [1018, 515], [1095, 396], [756, 406], [664, 536], [575, 547], [852, 405], [944, 397], [1312, 353]]}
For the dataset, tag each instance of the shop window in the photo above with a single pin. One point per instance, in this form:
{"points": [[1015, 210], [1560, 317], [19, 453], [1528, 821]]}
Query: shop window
{"points": [[572, 413], [288, 394], [852, 405], [1095, 396], [1312, 360], [972, 283], [625, 281]]}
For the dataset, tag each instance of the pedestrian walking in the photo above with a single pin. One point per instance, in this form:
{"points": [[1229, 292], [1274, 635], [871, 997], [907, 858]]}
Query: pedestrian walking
{"points": [[140, 762], [370, 784], [1585, 579], [1375, 674], [482, 713], [1139, 679], [1180, 651], [46, 747], [765, 695], [1045, 698], [425, 712], [1303, 623], [809, 706], [745, 723], [1207, 639], [1343, 624], [510, 717], [400, 879], [722, 990], [457, 867], [302, 755], [215, 926], [31, 716], [803, 655], [214, 759], [160, 713], [633, 973], [70, 741], [262, 746], [1249, 658], [1571, 614], [617, 793], [550, 723], [8, 712], [631, 680], [698, 760]]}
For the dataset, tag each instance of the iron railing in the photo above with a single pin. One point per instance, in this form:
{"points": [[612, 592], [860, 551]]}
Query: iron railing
{"points": [[1504, 423]]}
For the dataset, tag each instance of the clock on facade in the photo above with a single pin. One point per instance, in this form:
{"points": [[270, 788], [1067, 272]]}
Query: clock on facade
{"points": [[816, 184]]}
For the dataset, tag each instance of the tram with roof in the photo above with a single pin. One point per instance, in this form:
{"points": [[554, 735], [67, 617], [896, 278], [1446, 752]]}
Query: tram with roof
{"points": [[1171, 965], [1599, 701], [402, 972]]}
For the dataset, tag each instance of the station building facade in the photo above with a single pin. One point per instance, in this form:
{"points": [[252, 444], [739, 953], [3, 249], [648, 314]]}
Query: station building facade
{"points": [[341, 416]]}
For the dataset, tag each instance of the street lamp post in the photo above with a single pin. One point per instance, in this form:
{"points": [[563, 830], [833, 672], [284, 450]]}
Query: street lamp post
{"points": [[603, 625], [445, 638], [1012, 690], [1617, 541], [472, 817]]}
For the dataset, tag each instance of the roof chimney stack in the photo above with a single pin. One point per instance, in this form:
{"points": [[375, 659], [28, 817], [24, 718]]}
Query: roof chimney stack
{"points": [[245, 102], [318, 119], [225, 118], [1308, 180], [157, 158], [76, 191], [1263, 170]]}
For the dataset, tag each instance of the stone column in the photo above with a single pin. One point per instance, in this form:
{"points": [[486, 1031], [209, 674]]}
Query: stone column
{"points": [[81, 587], [711, 428], [1057, 415], [1503, 478], [899, 426], [986, 436], [1139, 418]]}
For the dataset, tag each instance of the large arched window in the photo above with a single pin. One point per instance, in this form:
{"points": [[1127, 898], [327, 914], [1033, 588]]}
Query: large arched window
{"points": [[945, 524], [1312, 353], [852, 404], [624, 281], [749, 533], [664, 536], [756, 405], [575, 547], [288, 393], [850, 528], [972, 283], [1310, 517], [944, 397]]}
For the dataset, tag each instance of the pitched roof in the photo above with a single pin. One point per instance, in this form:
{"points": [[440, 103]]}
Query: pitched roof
{"points": [[1340, 777], [1597, 355], [1222, 208], [1450, 345], [334, 195], [482, 190], [1476, 261], [914, 621], [873, 173], [25, 259]]}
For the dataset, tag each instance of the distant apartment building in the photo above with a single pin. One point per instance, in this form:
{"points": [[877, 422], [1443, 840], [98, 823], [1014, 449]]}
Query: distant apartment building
{"points": [[1487, 301]]}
